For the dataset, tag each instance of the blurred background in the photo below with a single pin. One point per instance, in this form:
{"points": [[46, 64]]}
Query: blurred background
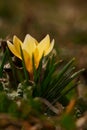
{"points": [[65, 21]]}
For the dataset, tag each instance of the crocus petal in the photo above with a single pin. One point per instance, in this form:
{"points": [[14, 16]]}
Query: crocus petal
{"points": [[28, 61], [17, 43], [49, 49], [44, 45], [29, 44], [31, 47], [13, 49]]}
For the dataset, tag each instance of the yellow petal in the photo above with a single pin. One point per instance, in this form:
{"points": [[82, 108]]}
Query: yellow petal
{"points": [[28, 61], [50, 48], [29, 44], [17, 43], [44, 45], [13, 49]]}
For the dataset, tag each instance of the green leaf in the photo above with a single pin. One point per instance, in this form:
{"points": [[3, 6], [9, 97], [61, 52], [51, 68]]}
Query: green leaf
{"points": [[3, 63], [4, 102], [13, 68], [65, 68], [13, 109], [67, 122]]}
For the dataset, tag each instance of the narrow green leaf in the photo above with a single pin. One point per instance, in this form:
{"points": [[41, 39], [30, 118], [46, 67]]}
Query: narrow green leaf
{"points": [[3, 63], [37, 72], [12, 67], [77, 73], [65, 68], [50, 69], [24, 67], [58, 86]]}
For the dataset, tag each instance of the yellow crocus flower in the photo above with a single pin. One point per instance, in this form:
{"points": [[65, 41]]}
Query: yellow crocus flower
{"points": [[30, 46]]}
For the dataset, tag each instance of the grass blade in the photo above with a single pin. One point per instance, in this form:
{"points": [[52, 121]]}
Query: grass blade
{"points": [[24, 67], [12, 67], [3, 63]]}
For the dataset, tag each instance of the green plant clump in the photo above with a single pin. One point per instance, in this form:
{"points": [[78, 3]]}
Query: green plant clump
{"points": [[52, 82]]}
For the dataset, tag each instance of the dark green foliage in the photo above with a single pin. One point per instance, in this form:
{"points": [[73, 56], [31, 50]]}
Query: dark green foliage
{"points": [[52, 80], [7, 105], [53, 83], [2, 64], [13, 109], [67, 122], [25, 109], [1, 87], [12, 68], [4, 102]]}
